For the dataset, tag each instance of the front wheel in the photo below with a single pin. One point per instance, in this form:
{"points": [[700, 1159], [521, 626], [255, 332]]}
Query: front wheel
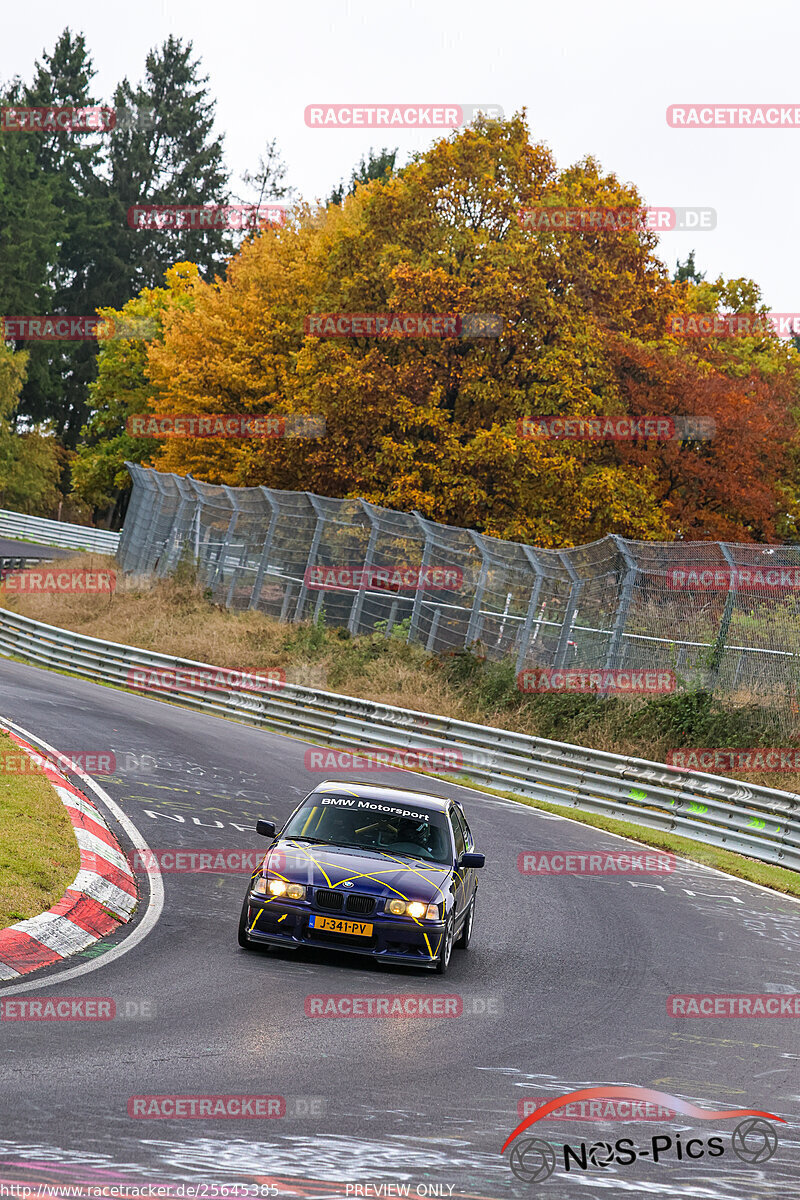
{"points": [[443, 961], [244, 922], [466, 929]]}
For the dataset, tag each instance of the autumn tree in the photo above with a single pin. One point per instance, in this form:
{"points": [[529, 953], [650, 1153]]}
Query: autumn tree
{"points": [[30, 463], [122, 390], [431, 424]]}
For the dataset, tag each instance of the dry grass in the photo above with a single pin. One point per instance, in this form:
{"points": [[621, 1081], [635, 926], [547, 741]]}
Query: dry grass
{"points": [[39, 855]]}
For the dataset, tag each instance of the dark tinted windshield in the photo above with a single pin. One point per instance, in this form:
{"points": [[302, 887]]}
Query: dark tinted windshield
{"points": [[373, 825]]}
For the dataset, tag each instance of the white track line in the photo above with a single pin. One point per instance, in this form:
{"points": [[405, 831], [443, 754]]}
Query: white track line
{"points": [[155, 903]]}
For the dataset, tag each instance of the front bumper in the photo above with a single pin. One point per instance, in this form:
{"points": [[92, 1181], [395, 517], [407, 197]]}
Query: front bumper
{"points": [[396, 940]]}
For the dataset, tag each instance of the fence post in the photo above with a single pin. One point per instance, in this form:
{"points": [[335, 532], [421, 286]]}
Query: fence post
{"points": [[570, 612], [198, 513], [126, 550], [434, 629], [312, 554], [173, 554], [234, 517], [145, 514], [626, 596], [155, 517], [392, 618], [473, 626], [725, 623], [533, 604], [265, 553], [358, 600], [426, 562]]}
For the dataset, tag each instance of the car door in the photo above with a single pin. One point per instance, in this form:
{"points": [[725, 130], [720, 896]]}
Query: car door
{"points": [[459, 873], [470, 884]]}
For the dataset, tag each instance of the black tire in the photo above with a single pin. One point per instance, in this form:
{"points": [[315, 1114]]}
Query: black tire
{"points": [[244, 920], [443, 961], [466, 928]]}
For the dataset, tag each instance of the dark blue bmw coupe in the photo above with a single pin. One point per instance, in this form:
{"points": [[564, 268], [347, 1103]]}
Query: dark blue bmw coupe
{"points": [[368, 870]]}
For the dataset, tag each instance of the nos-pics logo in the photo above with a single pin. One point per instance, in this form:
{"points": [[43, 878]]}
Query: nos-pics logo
{"points": [[533, 1159]]}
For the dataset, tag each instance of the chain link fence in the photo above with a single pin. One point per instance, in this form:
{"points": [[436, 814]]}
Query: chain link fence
{"points": [[722, 616]]}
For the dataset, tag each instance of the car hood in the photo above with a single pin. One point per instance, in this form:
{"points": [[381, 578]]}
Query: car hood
{"points": [[370, 871]]}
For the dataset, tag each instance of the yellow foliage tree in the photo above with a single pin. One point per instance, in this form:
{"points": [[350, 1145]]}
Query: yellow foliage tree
{"points": [[430, 424]]}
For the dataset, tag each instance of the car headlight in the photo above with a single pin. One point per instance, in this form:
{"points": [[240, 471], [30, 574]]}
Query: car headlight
{"points": [[279, 887], [260, 886], [413, 908]]}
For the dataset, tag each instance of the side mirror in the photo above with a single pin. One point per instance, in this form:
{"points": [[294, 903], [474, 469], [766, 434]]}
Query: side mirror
{"points": [[472, 860], [265, 828]]}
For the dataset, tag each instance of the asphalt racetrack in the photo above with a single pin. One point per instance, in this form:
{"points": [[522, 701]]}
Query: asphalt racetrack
{"points": [[564, 987], [12, 549]]}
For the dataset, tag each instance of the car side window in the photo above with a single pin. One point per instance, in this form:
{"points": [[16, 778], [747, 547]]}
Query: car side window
{"points": [[459, 832], [468, 838]]}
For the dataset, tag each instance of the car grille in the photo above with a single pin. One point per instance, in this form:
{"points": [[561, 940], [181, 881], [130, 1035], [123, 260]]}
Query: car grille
{"points": [[335, 901]]}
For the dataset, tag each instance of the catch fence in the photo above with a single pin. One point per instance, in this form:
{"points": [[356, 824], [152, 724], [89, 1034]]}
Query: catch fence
{"points": [[720, 615]]}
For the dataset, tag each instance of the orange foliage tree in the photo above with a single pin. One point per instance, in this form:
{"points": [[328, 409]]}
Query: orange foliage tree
{"points": [[431, 424]]}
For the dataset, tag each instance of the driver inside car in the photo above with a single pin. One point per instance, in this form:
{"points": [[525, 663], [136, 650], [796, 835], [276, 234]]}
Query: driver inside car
{"points": [[416, 837]]}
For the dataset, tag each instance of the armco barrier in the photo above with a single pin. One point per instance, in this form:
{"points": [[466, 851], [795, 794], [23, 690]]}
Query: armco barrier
{"points": [[759, 822], [57, 533]]}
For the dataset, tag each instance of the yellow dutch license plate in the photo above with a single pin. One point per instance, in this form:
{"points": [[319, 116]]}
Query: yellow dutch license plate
{"points": [[335, 925]]}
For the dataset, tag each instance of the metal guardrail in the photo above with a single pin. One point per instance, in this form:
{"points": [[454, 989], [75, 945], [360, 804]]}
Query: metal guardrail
{"points": [[57, 533], [17, 563], [759, 822]]}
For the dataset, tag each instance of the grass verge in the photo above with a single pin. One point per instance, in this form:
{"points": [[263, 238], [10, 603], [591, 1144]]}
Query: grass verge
{"points": [[39, 855]]}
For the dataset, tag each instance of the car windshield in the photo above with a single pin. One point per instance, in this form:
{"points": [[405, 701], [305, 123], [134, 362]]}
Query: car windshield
{"points": [[376, 825]]}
